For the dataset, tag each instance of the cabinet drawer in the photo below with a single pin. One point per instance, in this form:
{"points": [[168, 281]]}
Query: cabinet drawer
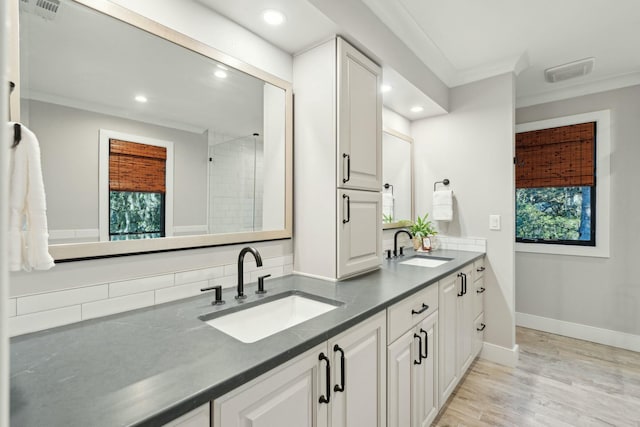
{"points": [[478, 330], [403, 315], [478, 296]]}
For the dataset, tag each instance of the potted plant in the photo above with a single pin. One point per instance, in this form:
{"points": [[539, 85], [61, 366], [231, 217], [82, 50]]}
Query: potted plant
{"points": [[422, 230]]}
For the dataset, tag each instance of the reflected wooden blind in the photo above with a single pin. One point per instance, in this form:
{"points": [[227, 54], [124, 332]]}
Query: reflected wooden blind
{"points": [[136, 167], [556, 157]]}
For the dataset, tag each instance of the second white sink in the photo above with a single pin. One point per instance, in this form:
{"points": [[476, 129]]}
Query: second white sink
{"points": [[260, 321], [425, 262]]}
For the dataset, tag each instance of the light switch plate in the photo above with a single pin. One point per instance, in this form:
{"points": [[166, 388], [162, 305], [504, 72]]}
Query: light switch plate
{"points": [[494, 222]]}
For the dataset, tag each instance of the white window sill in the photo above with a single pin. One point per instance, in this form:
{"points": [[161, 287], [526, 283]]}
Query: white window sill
{"points": [[544, 248]]}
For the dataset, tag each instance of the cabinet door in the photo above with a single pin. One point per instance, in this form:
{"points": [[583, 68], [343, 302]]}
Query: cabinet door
{"points": [[358, 366], [401, 356], [425, 390], [286, 396], [465, 321], [359, 232], [359, 117], [478, 334], [447, 339]]}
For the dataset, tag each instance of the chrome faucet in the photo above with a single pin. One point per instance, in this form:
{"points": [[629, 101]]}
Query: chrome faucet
{"points": [[395, 241], [258, 258]]}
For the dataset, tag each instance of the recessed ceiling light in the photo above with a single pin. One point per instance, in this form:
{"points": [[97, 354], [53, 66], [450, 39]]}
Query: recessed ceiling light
{"points": [[220, 74], [273, 17], [141, 98], [385, 88], [417, 109]]}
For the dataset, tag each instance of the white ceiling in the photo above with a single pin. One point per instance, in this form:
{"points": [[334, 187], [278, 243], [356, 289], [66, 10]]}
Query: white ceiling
{"points": [[463, 41]]}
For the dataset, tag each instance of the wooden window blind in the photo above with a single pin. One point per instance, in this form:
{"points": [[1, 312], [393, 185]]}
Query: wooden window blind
{"points": [[136, 167], [556, 157]]}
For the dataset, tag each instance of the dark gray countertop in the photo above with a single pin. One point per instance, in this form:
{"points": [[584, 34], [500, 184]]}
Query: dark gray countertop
{"points": [[147, 367]]}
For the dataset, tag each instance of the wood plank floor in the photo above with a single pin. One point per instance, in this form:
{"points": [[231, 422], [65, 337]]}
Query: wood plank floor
{"points": [[559, 381]]}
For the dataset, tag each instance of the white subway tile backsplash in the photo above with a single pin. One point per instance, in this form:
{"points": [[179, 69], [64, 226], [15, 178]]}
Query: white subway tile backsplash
{"points": [[191, 276], [33, 322], [117, 305], [12, 307], [178, 292], [135, 286], [51, 300], [287, 269]]}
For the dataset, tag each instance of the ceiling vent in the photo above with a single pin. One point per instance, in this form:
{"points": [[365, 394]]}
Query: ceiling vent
{"points": [[46, 9], [569, 71]]}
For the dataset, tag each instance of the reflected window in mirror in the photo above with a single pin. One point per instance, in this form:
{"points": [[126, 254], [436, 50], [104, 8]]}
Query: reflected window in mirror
{"points": [[137, 187]]}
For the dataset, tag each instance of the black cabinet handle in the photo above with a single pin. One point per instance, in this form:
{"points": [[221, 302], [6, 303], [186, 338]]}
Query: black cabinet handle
{"points": [[426, 343], [464, 283], [341, 386], [481, 328], [461, 285], [327, 398], [481, 290], [424, 308], [480, 269], [348, 157], [344, 221], [419, 349]]}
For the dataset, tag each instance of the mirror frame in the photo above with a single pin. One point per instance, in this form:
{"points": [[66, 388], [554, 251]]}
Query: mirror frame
{"points": [[79, 251], [407, 138]]}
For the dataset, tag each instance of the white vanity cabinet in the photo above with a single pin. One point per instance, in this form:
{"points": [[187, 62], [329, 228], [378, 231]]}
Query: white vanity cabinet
{"points": [[338, 162], [456, 340], [341, 382], [412, 360]]}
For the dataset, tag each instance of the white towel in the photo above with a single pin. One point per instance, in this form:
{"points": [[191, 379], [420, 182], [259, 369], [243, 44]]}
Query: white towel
{"points": [[387, 204], [28, 233], [443, 205]]}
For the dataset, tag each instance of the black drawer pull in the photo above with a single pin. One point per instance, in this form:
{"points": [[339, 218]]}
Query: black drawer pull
{"points": [[424, 308], [481, 328], [426, 343], [481, 290], [341, 386], [327, 398], [348, 157], [419, 361], [480, 269], [344, 221]]}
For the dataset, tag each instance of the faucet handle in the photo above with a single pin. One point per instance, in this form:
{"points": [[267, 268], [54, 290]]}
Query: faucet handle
{"points": [[401, 248], [218, 289], [261, 284], [388, 253]]}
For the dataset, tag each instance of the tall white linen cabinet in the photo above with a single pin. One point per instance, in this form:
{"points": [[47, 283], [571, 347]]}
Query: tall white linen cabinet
{"points": [[337, 162]]}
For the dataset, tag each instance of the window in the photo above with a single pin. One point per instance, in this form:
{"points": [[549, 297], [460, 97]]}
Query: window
{"points": [[136, 190], [556, 185], [136, 187]]}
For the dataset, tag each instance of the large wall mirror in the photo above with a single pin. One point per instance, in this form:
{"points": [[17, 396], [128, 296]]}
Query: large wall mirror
{"points": [[397, 176], [150, 140]]}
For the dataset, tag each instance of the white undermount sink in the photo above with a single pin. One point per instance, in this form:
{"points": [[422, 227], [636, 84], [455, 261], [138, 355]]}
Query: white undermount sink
{"points": [[260, 321], [426, 262]]}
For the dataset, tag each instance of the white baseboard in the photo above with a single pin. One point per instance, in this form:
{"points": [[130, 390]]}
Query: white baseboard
{"points": [[583, 332], [501, 355]]}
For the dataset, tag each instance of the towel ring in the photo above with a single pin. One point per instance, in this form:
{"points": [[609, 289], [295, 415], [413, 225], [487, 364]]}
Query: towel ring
{"points": [[444, 181]]}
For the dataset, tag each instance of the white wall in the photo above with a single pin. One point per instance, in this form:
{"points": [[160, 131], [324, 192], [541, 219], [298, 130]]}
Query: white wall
{"points": [[394, 121], [473, 147], [593, 292]]}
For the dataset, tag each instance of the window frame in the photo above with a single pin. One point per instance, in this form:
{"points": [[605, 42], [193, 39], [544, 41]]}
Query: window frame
{"points": [[602, 188], [103, 188]]}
